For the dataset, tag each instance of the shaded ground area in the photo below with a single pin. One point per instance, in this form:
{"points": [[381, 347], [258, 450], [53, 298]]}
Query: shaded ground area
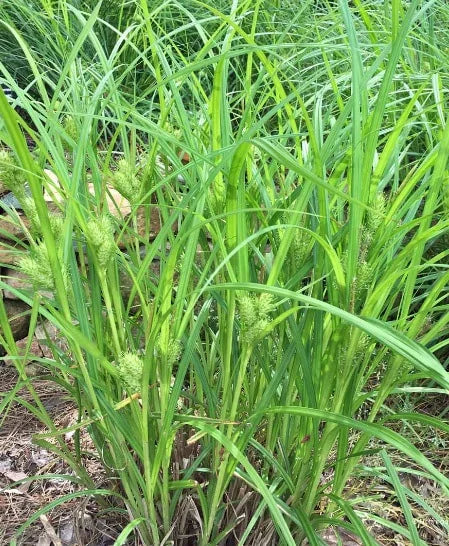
{"points": [[76, 522]]}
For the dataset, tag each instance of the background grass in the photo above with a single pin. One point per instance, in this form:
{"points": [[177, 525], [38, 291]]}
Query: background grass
{"points": [[302, 262]]}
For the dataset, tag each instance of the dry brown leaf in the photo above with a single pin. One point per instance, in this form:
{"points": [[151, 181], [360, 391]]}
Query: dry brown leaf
{"points": [[15, 477], [50, 530]]}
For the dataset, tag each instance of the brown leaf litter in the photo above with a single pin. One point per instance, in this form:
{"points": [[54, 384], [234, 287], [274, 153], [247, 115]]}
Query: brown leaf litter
{"points": [[77, 522]]}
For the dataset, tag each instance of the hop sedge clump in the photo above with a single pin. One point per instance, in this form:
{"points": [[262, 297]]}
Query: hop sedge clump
{"points": [[100, 234], [254, 316], [126, 182], [130, 369]]}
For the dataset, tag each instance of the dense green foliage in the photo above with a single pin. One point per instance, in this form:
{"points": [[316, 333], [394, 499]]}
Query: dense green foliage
{"points": [[302, 275]]}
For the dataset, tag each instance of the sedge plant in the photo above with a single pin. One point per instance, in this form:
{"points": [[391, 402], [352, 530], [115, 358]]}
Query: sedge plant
{"points": [[234, 366]]}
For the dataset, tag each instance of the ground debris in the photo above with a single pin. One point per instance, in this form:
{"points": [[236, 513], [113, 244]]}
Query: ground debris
{"points": [[77, 522]]}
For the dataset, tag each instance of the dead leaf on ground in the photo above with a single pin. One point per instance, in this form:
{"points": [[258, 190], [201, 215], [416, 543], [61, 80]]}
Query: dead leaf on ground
{"points": [[50, 530], [17, 476]]}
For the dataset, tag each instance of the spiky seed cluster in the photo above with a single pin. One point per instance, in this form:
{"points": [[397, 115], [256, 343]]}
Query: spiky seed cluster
{"points": [[56, 225], [126, 182], [15, 180], [374, 218], [37, 267], [363, 345], [300, 247], [254, 316], [364, 276], [29, 207], [70, 128], [11, 175], [56, 221], [171, 352], [100, 234], [376, 215], [362, 280], [130, 369]]}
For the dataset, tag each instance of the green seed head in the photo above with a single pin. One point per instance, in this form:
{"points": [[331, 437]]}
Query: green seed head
{"points": [[263, 304], [40, 275], [376, 215], [254, 316], [126, 182], [130, 369], [56, 221], [361, 282], [300, 247], [246, 310], [29, 207], [100, 234], [363, 346], [11, 175], [37, 267], [56, 225], [71, 128], [364, 275], [171, 352]]}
